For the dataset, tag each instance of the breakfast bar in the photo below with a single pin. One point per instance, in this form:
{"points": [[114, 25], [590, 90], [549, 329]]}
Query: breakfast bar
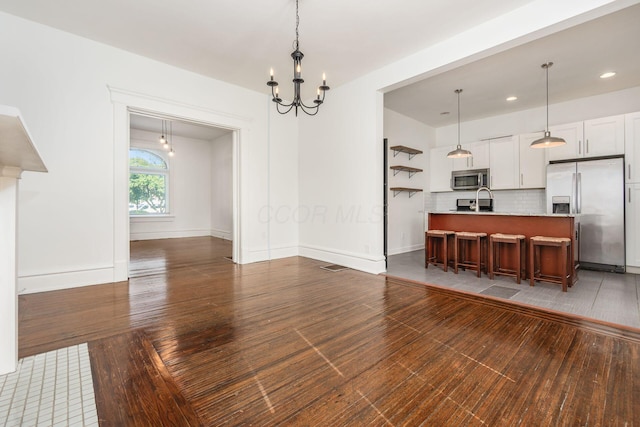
{"points": [[529, 225]]}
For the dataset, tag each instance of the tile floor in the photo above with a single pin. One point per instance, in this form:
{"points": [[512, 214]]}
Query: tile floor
{"points": [[50, 389], [610, 297]]}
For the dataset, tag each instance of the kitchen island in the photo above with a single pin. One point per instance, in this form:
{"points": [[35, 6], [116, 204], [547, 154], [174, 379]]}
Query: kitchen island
{"points": [[529, 225]]}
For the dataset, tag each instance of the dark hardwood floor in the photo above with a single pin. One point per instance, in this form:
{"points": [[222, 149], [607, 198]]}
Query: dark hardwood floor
{"points": [[193, 339]]}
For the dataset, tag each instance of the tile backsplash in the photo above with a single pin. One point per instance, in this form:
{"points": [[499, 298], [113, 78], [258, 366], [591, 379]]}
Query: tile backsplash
{"points": [[507, 201]]}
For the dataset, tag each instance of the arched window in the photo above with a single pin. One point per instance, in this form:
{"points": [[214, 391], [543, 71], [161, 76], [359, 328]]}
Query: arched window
{"points": [[148, 182]]}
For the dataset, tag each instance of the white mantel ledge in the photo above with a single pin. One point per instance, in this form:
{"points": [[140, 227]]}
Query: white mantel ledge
{"points": [[16, 146]]}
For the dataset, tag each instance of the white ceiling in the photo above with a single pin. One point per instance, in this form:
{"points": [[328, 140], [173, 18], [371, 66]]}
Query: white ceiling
{"points": [[178, 128], [238, 41], [580, 55]]}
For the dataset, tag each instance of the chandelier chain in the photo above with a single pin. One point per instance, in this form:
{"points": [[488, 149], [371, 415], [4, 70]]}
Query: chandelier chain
{"points": [[297, 25]]}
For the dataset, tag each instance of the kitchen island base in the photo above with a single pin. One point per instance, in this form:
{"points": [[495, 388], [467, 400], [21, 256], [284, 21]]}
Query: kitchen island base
{"points": [[528, 225]]}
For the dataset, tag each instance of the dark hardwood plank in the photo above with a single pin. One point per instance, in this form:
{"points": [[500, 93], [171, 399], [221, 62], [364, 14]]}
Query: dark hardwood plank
{"points": [[133, 387], [287, 343]]}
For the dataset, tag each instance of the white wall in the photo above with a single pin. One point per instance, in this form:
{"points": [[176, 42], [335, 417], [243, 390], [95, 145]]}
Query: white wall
{"points": [[190, 183], [72, 225], [405, 230], [341, 148], [221, 186], [341, 181]]}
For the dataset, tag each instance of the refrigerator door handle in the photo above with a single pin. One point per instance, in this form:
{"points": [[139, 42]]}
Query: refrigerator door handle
{"points": [[572, 206], [579, 194]]}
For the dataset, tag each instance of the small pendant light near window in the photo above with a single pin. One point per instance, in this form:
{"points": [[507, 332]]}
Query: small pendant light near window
{"points": [[163, 140], [166, 137], [459, 152], [547, 141], [169, 144]]}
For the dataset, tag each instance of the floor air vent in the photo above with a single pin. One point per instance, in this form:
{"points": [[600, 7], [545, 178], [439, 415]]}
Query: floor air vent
{"points": [[500, 292], [334, 267]]}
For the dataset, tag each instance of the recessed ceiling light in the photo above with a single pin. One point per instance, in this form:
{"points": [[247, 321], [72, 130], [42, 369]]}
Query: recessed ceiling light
{"points": [[512, 98], [607, 75]]}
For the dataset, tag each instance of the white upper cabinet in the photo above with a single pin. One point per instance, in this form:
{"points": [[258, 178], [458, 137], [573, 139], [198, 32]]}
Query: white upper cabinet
{"points": [[632, 148], [533, 163], [504, 156], [573, 133], [440, 167], [604, 137], [591, 138], [632, 221], [478, 160], [515, 165]]}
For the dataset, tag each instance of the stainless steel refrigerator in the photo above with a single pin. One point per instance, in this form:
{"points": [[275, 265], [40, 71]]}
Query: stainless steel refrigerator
{"points": [[594, 191]]}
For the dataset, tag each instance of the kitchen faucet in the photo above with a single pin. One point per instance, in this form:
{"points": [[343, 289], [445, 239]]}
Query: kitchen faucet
{"points": [[478, 196]]}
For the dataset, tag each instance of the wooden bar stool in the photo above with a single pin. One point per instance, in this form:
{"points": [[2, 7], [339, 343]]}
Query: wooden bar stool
{"points": [[464, 241], [435, 239], [496, 241], [563, 245]]}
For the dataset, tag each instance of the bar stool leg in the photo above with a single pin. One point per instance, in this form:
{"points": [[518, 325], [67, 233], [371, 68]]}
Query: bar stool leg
{"points": [[479, 251], [427, 254], [445, 254], [532, 264], [491, 255], [456, 249], [519, 258], [564, 268]]}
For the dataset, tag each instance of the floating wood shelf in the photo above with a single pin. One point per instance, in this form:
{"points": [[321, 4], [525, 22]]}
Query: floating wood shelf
{"points": [[402, 149], [412, 171], [411, 191]]}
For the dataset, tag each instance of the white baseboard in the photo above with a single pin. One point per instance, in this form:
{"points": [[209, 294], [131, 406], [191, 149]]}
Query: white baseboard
{"points": [[153, 235], [222, 234], [633, 270], [363, 262], [260, 255], [64, 280], [396, 251]]}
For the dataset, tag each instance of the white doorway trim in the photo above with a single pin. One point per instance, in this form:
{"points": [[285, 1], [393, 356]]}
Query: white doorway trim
{"points": [[124, 102]]}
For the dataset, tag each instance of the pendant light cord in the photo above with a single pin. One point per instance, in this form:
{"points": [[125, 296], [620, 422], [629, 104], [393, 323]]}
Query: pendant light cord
{"points": [[458, 92], [546, 66]]}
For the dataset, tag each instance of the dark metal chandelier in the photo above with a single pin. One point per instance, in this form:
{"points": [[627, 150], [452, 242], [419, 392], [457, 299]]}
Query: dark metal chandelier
{"points": [[283, 107]]}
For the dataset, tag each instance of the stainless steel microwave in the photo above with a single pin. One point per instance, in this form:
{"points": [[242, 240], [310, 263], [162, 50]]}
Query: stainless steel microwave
{"points": [[469, 179]]}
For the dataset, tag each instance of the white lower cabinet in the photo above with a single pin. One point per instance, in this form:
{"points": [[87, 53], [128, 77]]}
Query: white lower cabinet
{"points": [[632, 217]]}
